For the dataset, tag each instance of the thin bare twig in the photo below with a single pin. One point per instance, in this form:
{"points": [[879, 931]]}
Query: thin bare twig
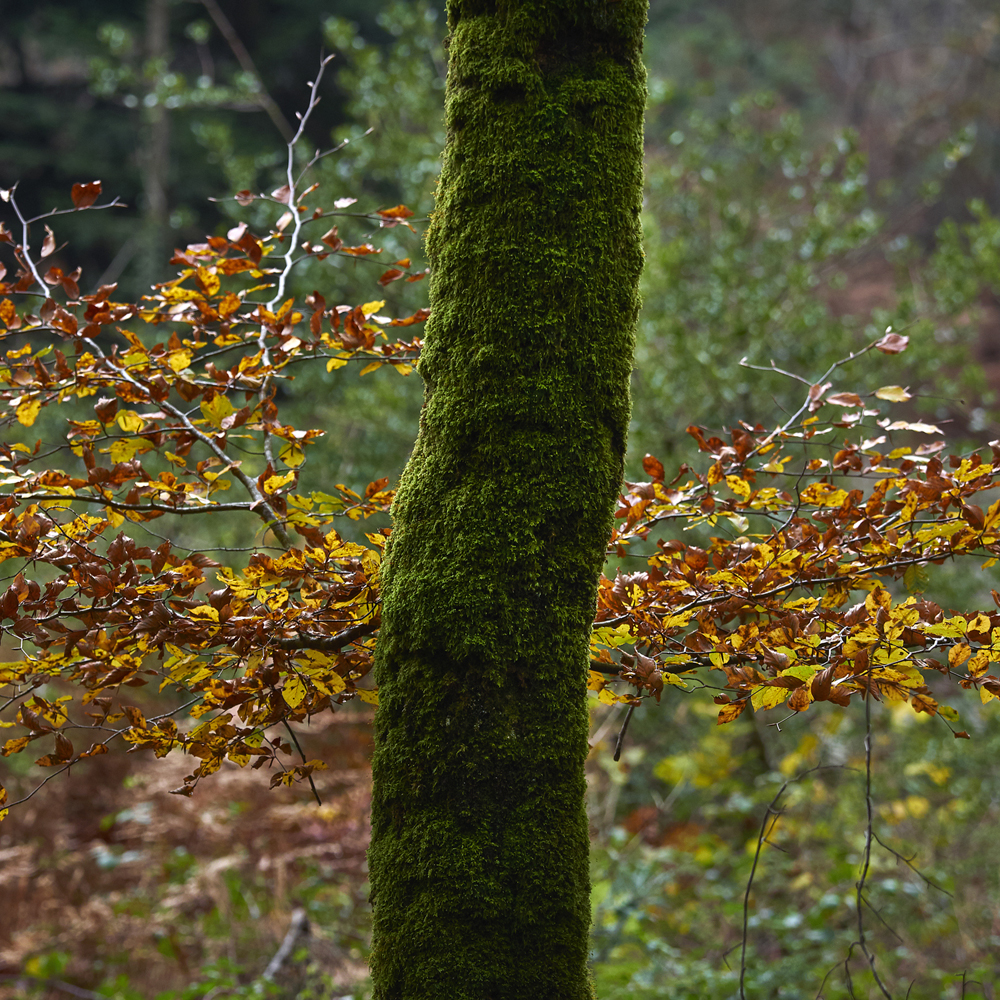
{"points": [[298, 927], [869, 831], [764, 832], [909, 863], [292, 202], [621, 734], [243, 57], [21, 979], [302, 754]]}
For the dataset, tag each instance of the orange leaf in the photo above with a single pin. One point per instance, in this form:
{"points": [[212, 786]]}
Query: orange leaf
{"points": [[731, 711]]}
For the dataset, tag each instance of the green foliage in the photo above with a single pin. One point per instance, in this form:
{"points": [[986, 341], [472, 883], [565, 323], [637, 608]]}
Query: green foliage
{"points": [[753, 235], [670, 872]]}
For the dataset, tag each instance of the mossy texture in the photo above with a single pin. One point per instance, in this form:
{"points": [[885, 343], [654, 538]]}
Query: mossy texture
{"points": [[479, 855]]}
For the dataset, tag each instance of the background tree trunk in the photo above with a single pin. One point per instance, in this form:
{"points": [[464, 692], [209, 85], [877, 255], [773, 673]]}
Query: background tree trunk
{"points": [[479, 856]]}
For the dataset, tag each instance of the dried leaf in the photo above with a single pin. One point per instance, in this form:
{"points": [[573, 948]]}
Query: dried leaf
{"points": [[84, 195]]}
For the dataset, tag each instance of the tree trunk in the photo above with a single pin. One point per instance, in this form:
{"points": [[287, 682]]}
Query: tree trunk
{"points": [[154, 153], [479, 855]]}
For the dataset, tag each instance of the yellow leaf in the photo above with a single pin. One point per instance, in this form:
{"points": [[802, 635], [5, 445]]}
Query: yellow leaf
{"points": [[3, 814], [217, 410], [205, 611], [115, 519], [370, 308], [335, 363], [608, 697], [614, 637], [767, 697], [371, 560], [979, 664], [274, 483], [292, 454], [715, 474], [986, 695], [14, 746], [595, 681], [27, 411], [739, 486], [957, 655], [371, 697], [210, 282], [878, 598], [331, 684], [294, 691], [893, 393], [979, 624], [951, 628], [123, 449], [673, 621], [129, 421], [375, 365], [229, 304], [179, 360]]}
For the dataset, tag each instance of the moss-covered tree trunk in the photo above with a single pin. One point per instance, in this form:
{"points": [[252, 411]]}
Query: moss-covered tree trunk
{"points": [[479, 855]]}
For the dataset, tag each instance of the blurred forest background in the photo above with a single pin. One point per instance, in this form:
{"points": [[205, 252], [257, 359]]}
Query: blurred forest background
{"points": [[816, 171]]}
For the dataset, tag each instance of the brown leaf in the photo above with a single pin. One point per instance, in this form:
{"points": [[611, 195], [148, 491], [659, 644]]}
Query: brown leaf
{"points": [[974, 515], [798, 700], [64, 747], [653, 467], [331, 239], [892, 343], [393, 274], [49, 244], [250, 247], [844, 399], [84, 195]]}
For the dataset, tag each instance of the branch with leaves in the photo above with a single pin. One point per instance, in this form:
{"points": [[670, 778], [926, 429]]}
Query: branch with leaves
{"points": [[168, 408]]}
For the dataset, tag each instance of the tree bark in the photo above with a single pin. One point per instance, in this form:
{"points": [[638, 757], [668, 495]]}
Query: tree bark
{"points": [[479, 855], [154, 154]]}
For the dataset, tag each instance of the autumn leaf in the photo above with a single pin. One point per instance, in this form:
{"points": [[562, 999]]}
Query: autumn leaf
{"points": [[48, 244], [893, 393], [892, 343], [397, 214], [84, 195], [294, 691], [730, 712], [28, 410], [844, 399], [129, 421], [217, 409], [15, 745]]}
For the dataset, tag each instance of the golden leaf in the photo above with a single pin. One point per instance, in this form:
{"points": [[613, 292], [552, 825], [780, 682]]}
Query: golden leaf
{"points": [[294, 691], [27, 411]]}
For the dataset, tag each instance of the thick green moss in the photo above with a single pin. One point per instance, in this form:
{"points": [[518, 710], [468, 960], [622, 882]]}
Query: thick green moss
{"points": [[479, 856]]}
